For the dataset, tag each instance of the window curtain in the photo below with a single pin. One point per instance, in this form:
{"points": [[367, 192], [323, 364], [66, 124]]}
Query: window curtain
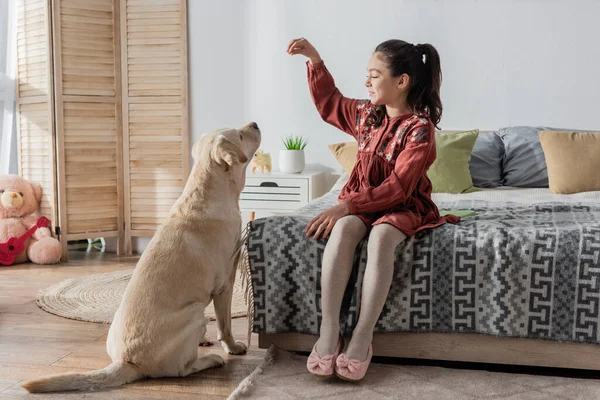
{"points": [[8, 52]]}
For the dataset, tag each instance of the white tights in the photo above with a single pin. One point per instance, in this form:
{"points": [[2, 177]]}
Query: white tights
{"points": [[337, 265]]}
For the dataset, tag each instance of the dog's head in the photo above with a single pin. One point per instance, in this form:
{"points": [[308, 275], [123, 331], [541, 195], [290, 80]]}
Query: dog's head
{"points": [[228, 149]]}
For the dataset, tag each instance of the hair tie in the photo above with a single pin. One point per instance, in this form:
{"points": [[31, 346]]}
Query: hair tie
{"points": [[421, 51]]}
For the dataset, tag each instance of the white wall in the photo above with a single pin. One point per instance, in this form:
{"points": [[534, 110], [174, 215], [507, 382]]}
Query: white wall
{"points": [[504, 63], [217, 65]]}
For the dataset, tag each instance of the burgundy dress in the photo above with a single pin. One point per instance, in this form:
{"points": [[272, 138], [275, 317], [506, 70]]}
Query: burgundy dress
{"points": [[389, 182]]}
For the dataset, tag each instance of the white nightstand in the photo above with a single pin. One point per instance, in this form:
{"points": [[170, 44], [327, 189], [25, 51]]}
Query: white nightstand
{"points": [[278, 193]]}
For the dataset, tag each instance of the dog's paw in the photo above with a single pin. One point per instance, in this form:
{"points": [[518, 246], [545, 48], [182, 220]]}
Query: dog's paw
{"points": [[216, 360], [237, 349]]}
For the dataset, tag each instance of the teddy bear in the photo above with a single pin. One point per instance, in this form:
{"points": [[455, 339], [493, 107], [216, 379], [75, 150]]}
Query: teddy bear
{"points": [[262, 161], [19, 211]]}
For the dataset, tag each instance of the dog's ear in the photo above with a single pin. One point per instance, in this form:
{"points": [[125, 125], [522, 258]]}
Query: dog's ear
{"points": [[205, 141], [227, 152]]}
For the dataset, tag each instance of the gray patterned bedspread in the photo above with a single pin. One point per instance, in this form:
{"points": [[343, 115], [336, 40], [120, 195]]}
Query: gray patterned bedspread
{"points": [[512, 270]]}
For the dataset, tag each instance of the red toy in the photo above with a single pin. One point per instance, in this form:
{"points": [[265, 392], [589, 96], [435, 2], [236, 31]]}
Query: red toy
{"points": [[10, 249]]}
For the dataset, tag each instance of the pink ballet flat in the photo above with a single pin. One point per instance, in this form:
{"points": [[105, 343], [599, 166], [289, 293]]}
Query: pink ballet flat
{"points": [[323, 365], [352, 370]]}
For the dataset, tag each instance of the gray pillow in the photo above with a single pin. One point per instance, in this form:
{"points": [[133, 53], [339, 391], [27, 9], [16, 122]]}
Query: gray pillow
{"points": [[486, 160], [524, 164]]}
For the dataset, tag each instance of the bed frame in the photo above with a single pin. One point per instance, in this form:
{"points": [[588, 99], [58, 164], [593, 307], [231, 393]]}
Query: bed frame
{"points": [[464, 347]]}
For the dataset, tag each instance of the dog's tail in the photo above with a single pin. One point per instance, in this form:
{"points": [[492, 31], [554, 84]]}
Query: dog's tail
{"points": [[116, 374]]}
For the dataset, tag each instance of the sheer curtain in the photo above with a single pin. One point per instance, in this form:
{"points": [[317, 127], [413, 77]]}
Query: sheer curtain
{"points": [[8, 41]]}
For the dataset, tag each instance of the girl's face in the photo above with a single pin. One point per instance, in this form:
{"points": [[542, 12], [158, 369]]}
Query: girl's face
{"points": [[383, 88]]}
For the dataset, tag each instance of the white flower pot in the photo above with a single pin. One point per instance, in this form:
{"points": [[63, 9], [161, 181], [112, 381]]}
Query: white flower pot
{"points": [[291, 161]]}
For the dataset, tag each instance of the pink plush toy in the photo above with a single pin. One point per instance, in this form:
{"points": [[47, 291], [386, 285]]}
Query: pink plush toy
{"points": [[19, 203]]}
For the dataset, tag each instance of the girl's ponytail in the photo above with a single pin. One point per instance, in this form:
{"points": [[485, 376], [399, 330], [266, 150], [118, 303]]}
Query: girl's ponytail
{"points": [[427, 90]]}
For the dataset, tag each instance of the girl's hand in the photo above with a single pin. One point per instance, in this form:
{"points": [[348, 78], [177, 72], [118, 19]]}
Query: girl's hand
{"points": [[323, 223], [304, 47]]}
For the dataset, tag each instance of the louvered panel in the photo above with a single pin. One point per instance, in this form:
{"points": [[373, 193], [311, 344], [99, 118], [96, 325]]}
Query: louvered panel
{"points": [[87, 47], [92, 208], [33, 50], [88, 117], [155, 161], [36, 152], [163, 17], [90, 167], [34, 101], [156, 144], [89, 6]]}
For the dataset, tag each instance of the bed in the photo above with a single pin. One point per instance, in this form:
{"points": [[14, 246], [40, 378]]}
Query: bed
{"points": [[517, 283]]}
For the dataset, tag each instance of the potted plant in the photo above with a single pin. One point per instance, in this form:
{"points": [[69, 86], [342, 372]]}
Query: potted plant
{"points": [[291, 160]]}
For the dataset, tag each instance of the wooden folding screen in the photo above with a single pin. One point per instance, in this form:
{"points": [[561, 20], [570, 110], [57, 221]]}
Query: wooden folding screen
{"points": [[103, 112]]}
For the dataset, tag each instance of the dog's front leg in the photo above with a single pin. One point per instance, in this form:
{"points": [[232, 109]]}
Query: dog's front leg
{"points": [[222, 303]]}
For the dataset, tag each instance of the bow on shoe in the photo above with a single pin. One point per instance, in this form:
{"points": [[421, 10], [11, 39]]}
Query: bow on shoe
{"points": [[351, 365], [323, 362]]}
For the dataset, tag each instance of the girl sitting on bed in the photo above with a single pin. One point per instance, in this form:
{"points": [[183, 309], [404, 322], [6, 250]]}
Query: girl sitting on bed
{"points": [[388, 194]]}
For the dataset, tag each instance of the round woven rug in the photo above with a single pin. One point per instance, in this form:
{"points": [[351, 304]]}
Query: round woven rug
{"points": [[95, 298]]}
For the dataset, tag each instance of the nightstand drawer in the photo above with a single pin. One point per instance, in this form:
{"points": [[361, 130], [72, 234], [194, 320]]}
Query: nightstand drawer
{"points": [[274, 193]]}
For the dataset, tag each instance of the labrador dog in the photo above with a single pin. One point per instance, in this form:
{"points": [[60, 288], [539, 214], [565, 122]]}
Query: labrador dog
{"points": [[189, 261]]}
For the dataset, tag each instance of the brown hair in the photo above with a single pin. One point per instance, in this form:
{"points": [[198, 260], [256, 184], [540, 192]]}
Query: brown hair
{"points": [[422, 64]]}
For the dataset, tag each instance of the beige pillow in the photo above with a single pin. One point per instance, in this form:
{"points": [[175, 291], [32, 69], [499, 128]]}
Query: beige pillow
{"points": [[345, 154], [573, 161]]}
